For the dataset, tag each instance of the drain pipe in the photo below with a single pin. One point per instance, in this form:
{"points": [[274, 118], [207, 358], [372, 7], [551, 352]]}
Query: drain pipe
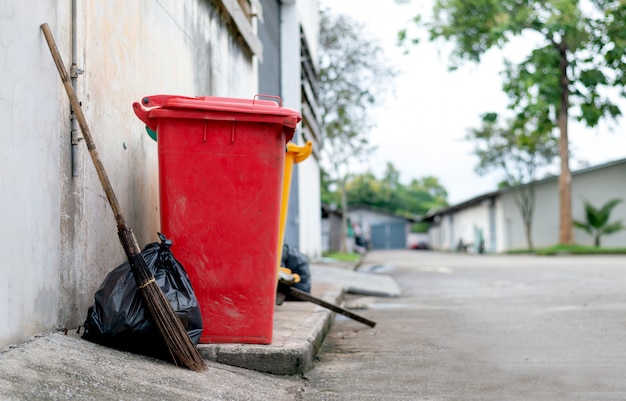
{"points": [[74, 72]]}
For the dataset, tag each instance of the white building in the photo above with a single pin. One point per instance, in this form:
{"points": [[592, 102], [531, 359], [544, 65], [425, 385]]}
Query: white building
{"points": [[495, 218]]}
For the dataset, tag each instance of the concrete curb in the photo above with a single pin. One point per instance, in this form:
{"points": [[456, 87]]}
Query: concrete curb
{"points": [[299, 331]]}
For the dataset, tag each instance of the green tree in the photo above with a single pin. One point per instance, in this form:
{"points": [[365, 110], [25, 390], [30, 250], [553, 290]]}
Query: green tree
{"points": [[580, 53], [391, 177], [597, 221], [420, 196], [518, 152], [328, 195], [388, 193], [354, 76], [365, 189], [437, 193]]}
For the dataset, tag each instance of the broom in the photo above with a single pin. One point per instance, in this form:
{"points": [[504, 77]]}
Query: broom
{"points": [[181, 349]]}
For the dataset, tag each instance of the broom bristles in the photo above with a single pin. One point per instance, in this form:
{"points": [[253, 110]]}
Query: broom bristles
{"points": [[180, 347]]}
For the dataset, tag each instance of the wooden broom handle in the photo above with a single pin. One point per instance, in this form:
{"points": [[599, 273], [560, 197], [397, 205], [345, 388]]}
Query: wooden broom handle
{"points": [[82, 122]]}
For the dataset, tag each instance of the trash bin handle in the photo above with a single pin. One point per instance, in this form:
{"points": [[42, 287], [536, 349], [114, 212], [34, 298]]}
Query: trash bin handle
{"points": [[279, 100], [144, 115], [158, 100], [299, 153]]}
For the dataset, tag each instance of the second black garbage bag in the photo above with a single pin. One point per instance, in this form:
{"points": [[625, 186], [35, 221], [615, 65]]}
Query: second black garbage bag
{"points": [[118, 318], [298, 263]]}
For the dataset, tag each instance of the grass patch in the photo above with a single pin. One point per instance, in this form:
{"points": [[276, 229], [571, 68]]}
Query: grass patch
{"points": [[570, 250], [521, 251], [344, 257]]}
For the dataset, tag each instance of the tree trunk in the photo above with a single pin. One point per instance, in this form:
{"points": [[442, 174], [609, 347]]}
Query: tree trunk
{"points": [[565, 178], [525, 201], [529, 238], [344, 214]]}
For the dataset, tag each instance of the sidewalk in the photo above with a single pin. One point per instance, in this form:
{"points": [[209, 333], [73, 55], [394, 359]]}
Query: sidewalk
{"points": [[300, 327], [58, 366], [299, 330]]}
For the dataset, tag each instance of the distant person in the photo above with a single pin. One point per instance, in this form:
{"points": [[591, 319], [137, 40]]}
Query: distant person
{"points": [[360, 244]]}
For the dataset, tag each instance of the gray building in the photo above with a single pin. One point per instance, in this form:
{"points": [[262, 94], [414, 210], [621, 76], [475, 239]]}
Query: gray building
{"points": [[289, 69], [382, 229]]}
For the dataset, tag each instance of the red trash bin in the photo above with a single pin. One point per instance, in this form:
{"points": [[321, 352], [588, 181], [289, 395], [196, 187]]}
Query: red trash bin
{"points": [[221, 164]]}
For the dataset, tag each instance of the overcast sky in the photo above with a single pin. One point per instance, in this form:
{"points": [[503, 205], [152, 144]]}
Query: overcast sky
{"points": [[421, 128]]}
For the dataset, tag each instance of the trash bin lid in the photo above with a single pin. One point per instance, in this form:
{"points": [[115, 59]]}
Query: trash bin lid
{"points": [[154, 107]]}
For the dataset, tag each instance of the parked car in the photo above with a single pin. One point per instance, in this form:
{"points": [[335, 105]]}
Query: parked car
{"points": [[420, 245]]}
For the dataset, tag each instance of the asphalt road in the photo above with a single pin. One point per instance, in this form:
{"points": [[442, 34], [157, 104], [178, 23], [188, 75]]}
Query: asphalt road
{"points": [[481, 327]]}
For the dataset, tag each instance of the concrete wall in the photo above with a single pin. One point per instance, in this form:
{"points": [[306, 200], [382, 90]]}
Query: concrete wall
{"points": [[435, 235], [545, 221], [440, 233], [464, 225], [595, 185], [58, 234], [29, 178], [598, 187]]}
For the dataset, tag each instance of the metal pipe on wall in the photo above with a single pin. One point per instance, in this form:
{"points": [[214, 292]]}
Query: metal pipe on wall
{"points": [[74, 72]]}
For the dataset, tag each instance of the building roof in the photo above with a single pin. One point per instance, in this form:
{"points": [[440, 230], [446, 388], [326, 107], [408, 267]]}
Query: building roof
{"points": [[382, 211], [429, 216]]}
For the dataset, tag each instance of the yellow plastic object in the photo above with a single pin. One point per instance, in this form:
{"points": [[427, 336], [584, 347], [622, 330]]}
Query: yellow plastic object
{"points": [[289, 274], [295, 154]]}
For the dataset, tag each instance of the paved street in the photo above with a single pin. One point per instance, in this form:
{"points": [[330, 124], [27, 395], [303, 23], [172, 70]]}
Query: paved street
{"points": [[482, 327]]}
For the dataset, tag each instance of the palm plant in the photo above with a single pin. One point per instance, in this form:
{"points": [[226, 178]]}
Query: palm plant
{"points": [[597, 223]]}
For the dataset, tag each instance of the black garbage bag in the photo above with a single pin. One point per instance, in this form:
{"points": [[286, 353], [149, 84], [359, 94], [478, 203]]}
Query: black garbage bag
{"points": [[119, 319], [298, 263]]}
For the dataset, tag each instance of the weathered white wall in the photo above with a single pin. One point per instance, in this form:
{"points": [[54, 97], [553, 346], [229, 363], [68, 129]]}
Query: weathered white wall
{"points": [[29, 178], [59, 237]]}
